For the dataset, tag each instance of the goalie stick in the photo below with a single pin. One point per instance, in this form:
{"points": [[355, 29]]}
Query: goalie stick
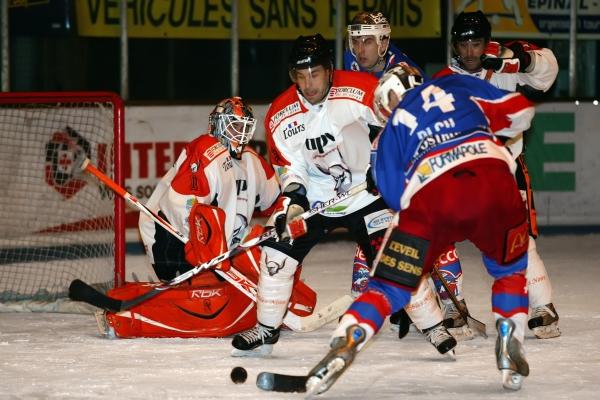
{"points": [[81, 291], [475, 325]]}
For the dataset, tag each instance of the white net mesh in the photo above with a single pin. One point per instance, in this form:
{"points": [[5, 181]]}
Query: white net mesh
{"points": [[57, 223]]}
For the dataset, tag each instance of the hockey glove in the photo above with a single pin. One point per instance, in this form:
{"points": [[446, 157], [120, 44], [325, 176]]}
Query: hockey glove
{"points": [[518, 61], [293, 203], [207, 236]]}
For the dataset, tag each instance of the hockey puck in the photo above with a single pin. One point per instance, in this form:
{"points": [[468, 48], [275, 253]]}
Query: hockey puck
{"points": [[239, 375]]}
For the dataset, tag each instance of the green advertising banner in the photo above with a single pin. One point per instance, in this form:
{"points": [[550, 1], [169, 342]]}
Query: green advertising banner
{"points": [[563, 158]]}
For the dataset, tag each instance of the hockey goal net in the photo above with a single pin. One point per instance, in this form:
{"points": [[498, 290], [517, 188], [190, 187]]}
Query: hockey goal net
{"points": [[58, 224]]}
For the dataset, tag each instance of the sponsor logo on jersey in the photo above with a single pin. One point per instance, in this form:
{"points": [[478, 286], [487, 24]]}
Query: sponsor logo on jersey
{"points": [[378, 220], [227, 164], [293, 129], [432, 165], [205, 293], [284, 113], [430, 141], [320, 142], [213, 151], [347, 92]]}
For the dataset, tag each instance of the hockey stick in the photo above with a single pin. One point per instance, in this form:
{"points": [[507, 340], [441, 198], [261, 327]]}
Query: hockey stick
{"points": [[81, 291], [477, 326]]}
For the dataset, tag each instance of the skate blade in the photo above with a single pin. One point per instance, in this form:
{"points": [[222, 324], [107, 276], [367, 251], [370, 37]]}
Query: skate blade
{"points": [[104, 328], [547, 332], [263, 351], [316, 385], [450, 355], [511, 380], [462, 333]]}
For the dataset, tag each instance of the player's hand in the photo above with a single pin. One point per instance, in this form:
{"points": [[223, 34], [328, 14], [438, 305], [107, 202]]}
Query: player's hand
{"points": [[518, 61], [501, 65], [293, 203], [521, 51]]}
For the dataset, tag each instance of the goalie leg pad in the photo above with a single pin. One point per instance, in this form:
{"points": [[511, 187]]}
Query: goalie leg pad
{"points": [[303, 298], [207, 235], [207, 308], [274, 286]]}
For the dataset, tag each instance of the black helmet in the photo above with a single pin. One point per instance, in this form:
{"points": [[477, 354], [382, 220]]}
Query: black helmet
{"points": [[310, 51], [471, 25]]}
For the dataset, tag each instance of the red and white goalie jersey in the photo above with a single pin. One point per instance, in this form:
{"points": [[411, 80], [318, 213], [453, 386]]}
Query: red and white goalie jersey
{"points": [[325, 147], [206, 173]]}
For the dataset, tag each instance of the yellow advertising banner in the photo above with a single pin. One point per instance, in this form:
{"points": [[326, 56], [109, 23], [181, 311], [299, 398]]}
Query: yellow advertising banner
{"points": [[536, 18], [258, 19]]}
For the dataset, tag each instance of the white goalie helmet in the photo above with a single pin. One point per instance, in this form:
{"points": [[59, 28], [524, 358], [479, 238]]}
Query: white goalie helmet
{"points": [[391, 88], [232, 123], [370, 24]]}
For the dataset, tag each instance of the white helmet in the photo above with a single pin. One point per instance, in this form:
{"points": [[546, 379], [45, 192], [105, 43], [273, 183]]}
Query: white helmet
{"points": [[397, 80], [233, 123], [370, 23]]}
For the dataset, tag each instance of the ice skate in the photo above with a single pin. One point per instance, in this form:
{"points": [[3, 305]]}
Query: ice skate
{"points": [[441, 339], [342, 353], [509, 355], [255, 342], [456, 324], [544, 322], [103, 326]]}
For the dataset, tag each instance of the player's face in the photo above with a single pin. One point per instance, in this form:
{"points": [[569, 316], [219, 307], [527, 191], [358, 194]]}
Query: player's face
{"points": [[366, 51], [470, 52], [312, 82]]}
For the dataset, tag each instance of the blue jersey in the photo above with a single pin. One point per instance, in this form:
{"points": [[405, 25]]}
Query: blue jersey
{"points": [[441, 124], [392, 57]]}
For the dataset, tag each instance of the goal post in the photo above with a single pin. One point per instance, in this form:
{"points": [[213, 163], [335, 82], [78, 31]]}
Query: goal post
{"points": [[59, 224]]}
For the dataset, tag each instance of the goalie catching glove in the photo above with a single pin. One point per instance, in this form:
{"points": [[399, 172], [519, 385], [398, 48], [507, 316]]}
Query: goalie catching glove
{"points": [[511, 58], [207, 236], [292, 204]]}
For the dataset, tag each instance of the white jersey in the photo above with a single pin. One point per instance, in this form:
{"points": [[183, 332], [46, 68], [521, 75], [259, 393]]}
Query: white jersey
{"points": [[541, 77], [206, 173], [325, 147]]}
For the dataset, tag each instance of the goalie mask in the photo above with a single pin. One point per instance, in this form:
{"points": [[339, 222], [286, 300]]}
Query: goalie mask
{"points": [[232, 123], [370, 24], [391, 89]]}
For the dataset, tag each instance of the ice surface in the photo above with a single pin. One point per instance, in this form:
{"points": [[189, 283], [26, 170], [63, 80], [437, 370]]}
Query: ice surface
{"points": [[62, 356]]}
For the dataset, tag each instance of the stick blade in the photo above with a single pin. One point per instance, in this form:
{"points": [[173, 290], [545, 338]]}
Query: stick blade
{"points": [[477, 326], [273, 382], [81, 291]]}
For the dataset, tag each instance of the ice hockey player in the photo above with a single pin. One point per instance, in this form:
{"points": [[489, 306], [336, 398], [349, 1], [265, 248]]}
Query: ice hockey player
{"points": [[210, 195], [318, 140], [513, 66], [440, 164], [369, 46], [370, 50]]}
